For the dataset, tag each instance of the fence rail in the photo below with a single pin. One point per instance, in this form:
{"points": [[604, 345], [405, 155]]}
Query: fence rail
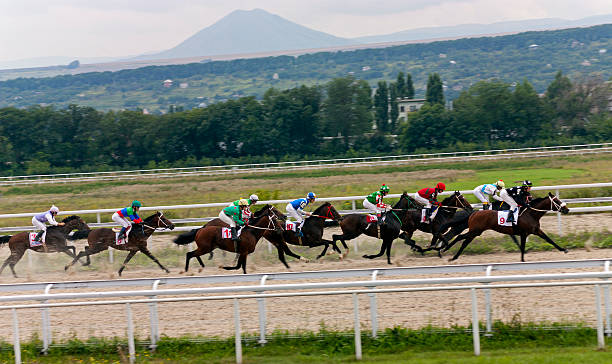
{"points": [[535, 152], [263, 291]]}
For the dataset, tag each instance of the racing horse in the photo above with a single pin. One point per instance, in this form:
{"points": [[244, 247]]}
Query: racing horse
{"points": [[211, 237], [354, 225], [273, 237], [99, 240], [446, 211], [391, 226], [313, 229], [528, 223], [55, 241]]}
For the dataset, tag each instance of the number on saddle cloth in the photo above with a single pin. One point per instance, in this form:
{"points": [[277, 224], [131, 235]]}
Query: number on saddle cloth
{"points": [[34, 244], [290, 225], [502, 218], [226, 233], [371, 218]]}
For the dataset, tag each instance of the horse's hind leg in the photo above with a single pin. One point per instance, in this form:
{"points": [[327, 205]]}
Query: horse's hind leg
{"points": [[389, 243], [383, 247], [13, 259], [86, 253], [465, 244], [200, 261], [239, 263], [127, 259]]}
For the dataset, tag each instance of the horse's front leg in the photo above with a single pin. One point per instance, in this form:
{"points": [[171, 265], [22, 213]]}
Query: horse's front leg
{"points": [[542, 235], [148, 254], [383, 247]]}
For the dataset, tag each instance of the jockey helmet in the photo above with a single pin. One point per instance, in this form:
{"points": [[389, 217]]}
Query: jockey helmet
{"points": [[311, 196], [54, 209], [527, 183], [384, 188], [441, 186], [254, 198], [500, 184], [136, 203], [243, 202]]}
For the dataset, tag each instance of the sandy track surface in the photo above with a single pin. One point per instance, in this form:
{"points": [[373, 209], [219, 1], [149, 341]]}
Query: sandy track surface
{"points": [[214, 318]]}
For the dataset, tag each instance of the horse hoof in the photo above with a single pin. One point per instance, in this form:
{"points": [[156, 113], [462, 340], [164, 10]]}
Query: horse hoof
{"points": [[565, 251], [305, 260], [167, 271], [66, 267], [200, 270], [182, 272]]}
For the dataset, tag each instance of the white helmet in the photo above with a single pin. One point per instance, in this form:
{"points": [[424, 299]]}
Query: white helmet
{"points": [[254, 198], [54, 209]]}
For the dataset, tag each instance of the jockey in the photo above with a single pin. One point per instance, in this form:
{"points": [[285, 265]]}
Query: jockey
{"points": [[374, 202], [121, 217], [483, 192], [295, 209], [429, 197], [252, 200], [39, 221], [516, 196], [232, 215]]}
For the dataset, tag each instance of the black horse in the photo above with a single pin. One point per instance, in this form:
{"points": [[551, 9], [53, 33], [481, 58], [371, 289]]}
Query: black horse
{"points": [[391, 226], [446, 212]]}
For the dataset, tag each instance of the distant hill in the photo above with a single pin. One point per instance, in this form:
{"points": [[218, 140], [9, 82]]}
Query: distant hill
{"points": [[465, 30], [535, 56], [250, 31]]}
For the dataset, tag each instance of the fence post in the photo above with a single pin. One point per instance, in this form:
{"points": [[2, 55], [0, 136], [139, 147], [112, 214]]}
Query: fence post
{"points": [[353, 205], [374, 307], [488, 305], [16, 344], [607, 300], [237, 339], [261, 305], [600, 332], [475, 328], [130, 332], [46, 323], [154, 319], [560, 230], [357, 327]]}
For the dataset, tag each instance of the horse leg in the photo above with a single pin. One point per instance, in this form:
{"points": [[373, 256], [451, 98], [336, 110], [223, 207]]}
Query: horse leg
{"points": [[13, 259], [522, 245], [288, 251], [389, 243], [211, 255], [200, 261], [239, 263], [86, 253], [323, 252], [383, 247], [518, 245], [542, 235], [127, 259], [148, 254], [281, 256], [465, 244], [457, 239]]}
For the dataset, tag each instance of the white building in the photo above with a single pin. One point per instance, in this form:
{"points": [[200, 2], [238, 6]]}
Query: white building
{"points": [[406, 106]]}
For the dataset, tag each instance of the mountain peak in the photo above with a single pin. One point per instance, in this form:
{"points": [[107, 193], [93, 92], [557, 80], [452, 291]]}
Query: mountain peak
{"points": [[251, 31]]}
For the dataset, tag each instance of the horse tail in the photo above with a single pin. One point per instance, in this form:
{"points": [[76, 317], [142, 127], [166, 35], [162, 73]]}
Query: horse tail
{"points": [[186, 238], [79, 234], [331, 223], [5, 239]]}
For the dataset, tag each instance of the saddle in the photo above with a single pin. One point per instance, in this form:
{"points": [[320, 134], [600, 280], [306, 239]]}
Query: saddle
{"points": [[33, 243]]}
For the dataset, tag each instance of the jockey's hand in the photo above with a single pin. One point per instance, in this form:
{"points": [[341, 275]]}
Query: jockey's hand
{"points": [[61, 224]]}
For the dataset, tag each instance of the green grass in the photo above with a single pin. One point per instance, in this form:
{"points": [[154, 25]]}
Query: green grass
{"points": [[511, 343]]}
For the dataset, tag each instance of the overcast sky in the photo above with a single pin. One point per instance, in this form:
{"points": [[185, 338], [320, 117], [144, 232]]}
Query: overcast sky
{"points": [[110, 28]]}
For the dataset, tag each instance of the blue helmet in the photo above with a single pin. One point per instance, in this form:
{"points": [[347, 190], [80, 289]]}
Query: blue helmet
{"points": [[311, 196]]}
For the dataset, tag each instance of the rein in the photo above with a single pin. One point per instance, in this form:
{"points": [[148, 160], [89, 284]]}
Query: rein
{"points": [[553, 206]]}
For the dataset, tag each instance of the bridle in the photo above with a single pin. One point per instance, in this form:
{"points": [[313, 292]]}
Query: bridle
{"points": [[553, 206], [328, 214], [159, 219], [271, 218]]}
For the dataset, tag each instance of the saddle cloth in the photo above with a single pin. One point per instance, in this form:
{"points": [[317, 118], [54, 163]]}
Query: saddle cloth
{"points": [[502, 218], [371, 218], [226, 233], [32, 236], [122, 240], [290, 225], [434, 212]]}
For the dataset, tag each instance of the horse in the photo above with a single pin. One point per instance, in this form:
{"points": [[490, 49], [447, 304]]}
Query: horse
{"points": [[273, 237], [210, 237], [391, 226], [99, 240], [446, 211], [313, 229], [528, 223], [55, 241]]}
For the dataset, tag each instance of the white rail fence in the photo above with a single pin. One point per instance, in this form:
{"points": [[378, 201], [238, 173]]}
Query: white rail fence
{"points": [[263, 291], [561, 150]]}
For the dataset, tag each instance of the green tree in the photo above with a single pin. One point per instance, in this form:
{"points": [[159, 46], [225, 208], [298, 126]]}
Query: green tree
{"points": [[381, 107], [401, 85], [409, 87], [428, 128], [435, 92], [393, 107]]}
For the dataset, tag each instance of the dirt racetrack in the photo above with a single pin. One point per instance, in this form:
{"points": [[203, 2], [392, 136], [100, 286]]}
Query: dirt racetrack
{"points": [[215, 318]]}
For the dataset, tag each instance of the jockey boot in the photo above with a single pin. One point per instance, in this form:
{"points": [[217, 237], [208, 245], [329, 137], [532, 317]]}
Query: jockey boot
{"points": [[121, 233], [485, 206], [511, 216], [428, 214], [380, 220], [234, 234], [298, 231], [39, 236]]}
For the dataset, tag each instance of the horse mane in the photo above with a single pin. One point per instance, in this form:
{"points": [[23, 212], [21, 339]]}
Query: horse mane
{"points": [[537, 200], [70, 218], [259, 212], [148, 219], [317, 211]]}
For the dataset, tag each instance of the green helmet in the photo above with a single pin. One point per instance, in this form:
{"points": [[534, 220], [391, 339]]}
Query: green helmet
{"points": [[136, 203], [384, 188]]}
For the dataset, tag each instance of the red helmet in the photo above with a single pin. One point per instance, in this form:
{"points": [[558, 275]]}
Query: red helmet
{"points": [[441, 186]]}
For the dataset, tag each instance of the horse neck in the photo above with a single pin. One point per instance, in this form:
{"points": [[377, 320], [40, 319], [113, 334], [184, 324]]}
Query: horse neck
{"points": [[540, 211], [258, 233]]}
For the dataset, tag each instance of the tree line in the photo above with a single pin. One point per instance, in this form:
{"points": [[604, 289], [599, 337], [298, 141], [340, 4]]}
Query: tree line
{"points": [[343, 117]]}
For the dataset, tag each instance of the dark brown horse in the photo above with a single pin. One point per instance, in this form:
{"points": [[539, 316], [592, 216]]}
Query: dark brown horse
{"points": [[274, 237], [528, 223], [55, 242], [313, 229], [99, 240], [210, 237]]}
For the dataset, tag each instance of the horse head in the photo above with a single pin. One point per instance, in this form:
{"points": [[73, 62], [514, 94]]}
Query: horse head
{"points": [[458, 200], [557, 205], [328, 211], [74, 222], [158, 220]]}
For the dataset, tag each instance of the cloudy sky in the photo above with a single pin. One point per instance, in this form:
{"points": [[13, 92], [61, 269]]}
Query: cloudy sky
{"points": [[110, 28]]}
